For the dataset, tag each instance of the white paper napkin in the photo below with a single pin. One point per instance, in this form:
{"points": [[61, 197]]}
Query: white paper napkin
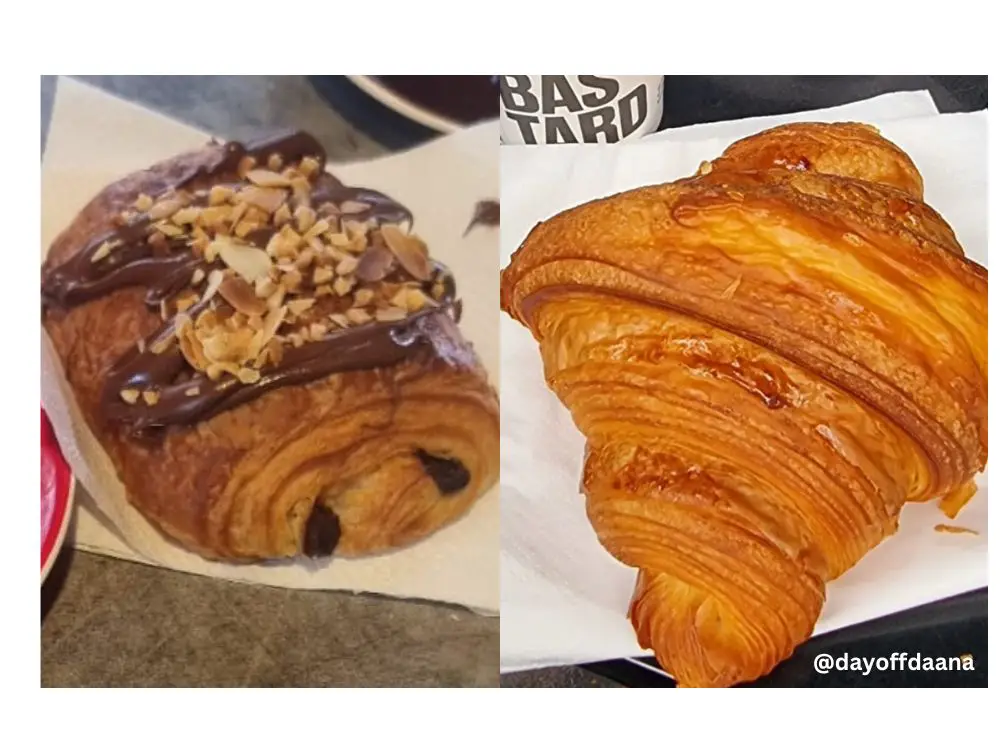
{"points": [[94, 139], [564, 599]]}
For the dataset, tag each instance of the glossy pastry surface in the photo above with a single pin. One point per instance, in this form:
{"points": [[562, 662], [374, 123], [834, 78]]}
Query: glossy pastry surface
{"points": [[271, 358], [768, 359]]}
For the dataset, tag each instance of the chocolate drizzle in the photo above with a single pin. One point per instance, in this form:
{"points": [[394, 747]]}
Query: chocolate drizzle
{"points": [[185, 396], [164, 269]]}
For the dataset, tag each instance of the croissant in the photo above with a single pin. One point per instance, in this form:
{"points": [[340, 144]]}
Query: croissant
{"points": [[269, 357], [768, 359]]}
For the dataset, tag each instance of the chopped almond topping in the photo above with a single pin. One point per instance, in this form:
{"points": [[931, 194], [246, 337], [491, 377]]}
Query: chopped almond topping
{"points": [[129, 395], [246, 164], [282, 216], [363, 297], [299, 306], [390, 314], [358, 316], [143, 203], [164, 208], [305, 218], [150, 397], [309, 166], [322, 275], [267, 179], [343, 285]]}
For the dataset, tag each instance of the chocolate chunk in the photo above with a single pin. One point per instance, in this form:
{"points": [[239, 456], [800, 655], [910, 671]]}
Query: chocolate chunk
{"points": [[449, 474], [322, 532]]}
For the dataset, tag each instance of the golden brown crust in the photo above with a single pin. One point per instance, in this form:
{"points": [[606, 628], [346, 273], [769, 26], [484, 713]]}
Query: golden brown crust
{"points": [[768, 360], [241, 485]]}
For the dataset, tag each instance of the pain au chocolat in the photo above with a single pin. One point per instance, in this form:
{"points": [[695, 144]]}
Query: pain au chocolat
{"points": [[270, 358], [768, 360]]}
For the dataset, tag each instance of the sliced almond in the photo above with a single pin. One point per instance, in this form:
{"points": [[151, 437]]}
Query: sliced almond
{"points": [[375, 264], [273, 321], [295, 340], [317, 331], [363, 297], [358, 316], [215, 278], [316, 245], [151, 397], [324, 290], [411, 251], [298, 306], [275, 162], [268, 199], [192, 391], [129, 395], [267, 178], [390, 314], [354, 207], [309, 166], [340, 319], [164, 208], [344, 284], [305, 217], [102, 252], [248, 261], [237, 292]]}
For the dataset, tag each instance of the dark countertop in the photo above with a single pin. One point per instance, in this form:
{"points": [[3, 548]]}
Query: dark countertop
{"points": [[106, 622]]}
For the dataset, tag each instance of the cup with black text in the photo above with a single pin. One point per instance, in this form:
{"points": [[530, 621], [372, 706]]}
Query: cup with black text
{"points": [[579, 109]]}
